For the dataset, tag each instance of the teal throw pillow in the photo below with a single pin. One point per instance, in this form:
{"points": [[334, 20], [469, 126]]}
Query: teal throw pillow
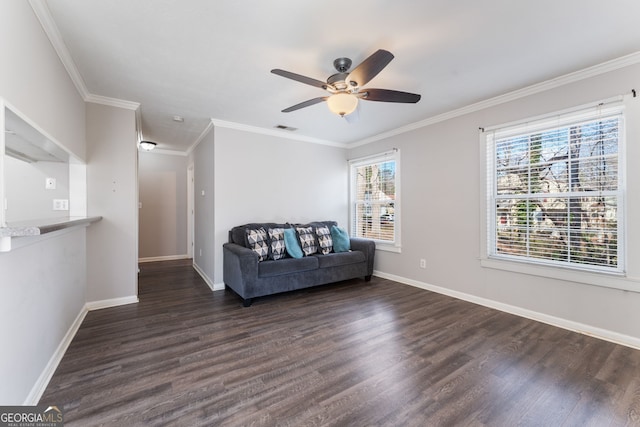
{"points": [[291, 243], [341, 242]]}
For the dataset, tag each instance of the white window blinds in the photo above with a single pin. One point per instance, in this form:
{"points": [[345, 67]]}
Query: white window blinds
{"points": [[374, 201], [555, 190]]}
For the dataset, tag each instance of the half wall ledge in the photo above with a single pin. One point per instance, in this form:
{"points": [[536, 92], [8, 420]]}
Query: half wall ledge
{"points": [[39, 227]]}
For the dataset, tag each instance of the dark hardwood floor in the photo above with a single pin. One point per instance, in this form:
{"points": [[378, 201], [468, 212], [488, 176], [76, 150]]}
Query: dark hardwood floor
{"points": [[350, 354]]}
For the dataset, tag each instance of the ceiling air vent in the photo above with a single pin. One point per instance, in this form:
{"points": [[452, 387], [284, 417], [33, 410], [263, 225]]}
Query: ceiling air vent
{"points": [[283, 127]]}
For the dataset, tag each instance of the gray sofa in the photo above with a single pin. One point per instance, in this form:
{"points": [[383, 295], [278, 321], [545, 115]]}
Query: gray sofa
{"points": [[251, 278]]}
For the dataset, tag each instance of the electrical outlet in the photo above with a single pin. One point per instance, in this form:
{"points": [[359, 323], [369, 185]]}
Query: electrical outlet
{"points": [[60, 204], [423, 263]]}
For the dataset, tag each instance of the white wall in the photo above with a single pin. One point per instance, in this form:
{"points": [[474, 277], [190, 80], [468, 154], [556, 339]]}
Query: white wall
{"points": [[162, 181], [261, 178], [251, 177], [442, 197], [41, 285], [112, 243]]}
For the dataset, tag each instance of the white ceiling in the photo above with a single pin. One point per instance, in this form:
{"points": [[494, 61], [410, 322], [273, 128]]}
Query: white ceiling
{"points": [[204, 59]]}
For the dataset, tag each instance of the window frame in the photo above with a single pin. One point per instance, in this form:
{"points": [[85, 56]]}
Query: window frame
{"points": [[392, 155], [531, 265]]}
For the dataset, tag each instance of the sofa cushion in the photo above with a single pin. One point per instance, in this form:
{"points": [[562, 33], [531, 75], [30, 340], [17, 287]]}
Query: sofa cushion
{"points": [[307, 239], [287, 266], [291, 243], [342, 258], [257, 242], [325, 242], [276, 243], [341, 241]]}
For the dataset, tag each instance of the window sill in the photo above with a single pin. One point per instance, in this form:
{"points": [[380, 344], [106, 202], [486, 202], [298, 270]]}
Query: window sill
{"points": [[607, 280], [388, 248]]}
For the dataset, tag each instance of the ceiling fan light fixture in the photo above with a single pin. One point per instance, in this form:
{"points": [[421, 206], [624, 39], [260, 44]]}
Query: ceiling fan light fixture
{"points": [[346, 87], [147, 145], [342, 103]]}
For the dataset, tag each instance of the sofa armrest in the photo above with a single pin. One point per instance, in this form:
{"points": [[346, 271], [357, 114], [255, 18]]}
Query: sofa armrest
{"points": [[368, 247], [240, 267]]}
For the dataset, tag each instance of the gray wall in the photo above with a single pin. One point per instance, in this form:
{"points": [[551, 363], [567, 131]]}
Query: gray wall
{"points": [[34, 81], [204, 220], [25, 191], [112, 243], [42, 287], [442, 203], [162, 183]]}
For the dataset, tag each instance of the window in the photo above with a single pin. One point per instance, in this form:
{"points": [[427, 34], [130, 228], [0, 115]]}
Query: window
{"points": [[375, 198], [555, 190]]}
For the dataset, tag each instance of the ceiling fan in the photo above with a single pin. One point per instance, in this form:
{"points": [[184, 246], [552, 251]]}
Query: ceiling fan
{"points": [[346, 87]]}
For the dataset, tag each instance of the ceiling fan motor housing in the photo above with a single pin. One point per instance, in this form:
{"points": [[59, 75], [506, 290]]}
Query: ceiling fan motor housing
{"points": [[342, 65], [338, 81]]}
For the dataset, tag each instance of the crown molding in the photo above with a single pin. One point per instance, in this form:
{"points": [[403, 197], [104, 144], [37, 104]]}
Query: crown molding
{"points": [[51, 30], [164, 151], [200, 137], [276, 133], [576, 76], [112, 102]]}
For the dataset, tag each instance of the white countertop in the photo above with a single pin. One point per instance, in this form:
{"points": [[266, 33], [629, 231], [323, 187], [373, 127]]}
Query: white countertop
{"points": [[43, 226]]}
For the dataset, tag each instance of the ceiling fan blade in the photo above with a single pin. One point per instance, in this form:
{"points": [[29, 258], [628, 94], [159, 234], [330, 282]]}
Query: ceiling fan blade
{"points": [[304, 104], [386, 95], [369, 68], [300, 78]]}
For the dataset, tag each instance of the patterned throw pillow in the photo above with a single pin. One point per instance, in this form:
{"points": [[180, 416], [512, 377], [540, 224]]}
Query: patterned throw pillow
{"points": [[307, 240], [277, 243], [257, 242], [325, 242]]}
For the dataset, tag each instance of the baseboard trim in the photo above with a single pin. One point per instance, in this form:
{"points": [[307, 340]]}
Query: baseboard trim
{"points": [[163, 258], [114, 302], [204, 276], [603, 334], [41, 384], [43, 380]]}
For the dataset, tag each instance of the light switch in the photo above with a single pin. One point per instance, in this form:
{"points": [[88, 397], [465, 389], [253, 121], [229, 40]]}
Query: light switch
{"points": [[50, 184]]}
